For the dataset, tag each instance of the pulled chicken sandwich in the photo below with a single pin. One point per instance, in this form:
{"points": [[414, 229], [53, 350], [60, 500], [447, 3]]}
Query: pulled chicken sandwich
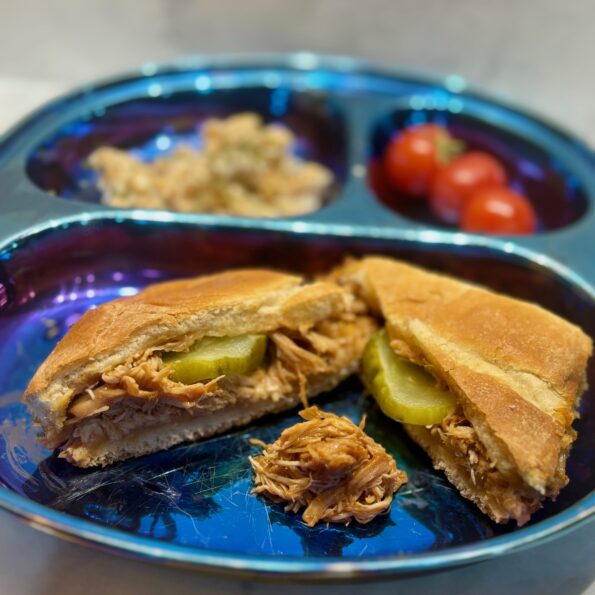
{"points": [[191, 358]]}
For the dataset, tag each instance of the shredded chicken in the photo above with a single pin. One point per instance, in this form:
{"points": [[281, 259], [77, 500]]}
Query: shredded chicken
{"points": [[456, 431], [300, 361], [146, 378], [245, 168], [139, 391], [510, 492], [331, 467]]}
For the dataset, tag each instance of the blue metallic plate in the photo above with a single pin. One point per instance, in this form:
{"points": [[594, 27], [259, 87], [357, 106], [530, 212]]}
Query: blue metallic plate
{"points": [[192, 504]]}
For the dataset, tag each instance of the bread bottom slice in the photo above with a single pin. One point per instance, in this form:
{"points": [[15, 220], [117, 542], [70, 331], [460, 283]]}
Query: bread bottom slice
{"points": [[501, 498], [188, 428]]}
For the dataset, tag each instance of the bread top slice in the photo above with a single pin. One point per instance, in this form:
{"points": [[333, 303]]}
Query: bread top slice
{"points": [[230, 303], [516, 368]]}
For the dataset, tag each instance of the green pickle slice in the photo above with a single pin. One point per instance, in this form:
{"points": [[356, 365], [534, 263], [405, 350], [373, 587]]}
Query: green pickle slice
{"points": [[404, 391], [217, 356]]}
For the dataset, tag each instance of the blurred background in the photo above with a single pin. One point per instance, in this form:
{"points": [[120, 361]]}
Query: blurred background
{"points": [[537, 53]]}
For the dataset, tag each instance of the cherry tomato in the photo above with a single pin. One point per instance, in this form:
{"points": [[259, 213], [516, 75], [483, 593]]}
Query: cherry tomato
{"points": [[378, 181], [413, 156], [461, 177], [500, 211]]}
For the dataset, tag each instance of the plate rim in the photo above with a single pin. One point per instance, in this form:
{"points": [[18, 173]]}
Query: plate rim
{"points": [[332, 568]]}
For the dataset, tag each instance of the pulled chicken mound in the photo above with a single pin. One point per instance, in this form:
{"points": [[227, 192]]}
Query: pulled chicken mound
{"points": [[331, 467]]}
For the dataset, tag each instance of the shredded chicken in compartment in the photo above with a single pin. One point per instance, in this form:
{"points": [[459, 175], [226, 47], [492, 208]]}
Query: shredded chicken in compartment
{"points": [[330, 467], [245, 168]]}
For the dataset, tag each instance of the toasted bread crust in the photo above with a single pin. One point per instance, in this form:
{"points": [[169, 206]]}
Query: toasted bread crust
{"points": [[230, 303], [511, 333]]}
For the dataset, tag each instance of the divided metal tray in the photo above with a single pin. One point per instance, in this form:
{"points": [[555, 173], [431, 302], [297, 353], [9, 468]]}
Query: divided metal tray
{"points": [[62, 252]]}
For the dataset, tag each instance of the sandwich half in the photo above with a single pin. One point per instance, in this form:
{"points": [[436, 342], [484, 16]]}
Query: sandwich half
{"points": [[516, 370], [108, 392]]}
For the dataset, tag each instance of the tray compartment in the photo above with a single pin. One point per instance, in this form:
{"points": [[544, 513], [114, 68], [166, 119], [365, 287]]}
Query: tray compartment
{"points": [[150, 127], [201, 515], [48, 280], [555, 190]]}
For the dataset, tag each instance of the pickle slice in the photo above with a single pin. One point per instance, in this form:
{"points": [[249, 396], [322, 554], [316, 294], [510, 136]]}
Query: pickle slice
{"points": [[404, 391], [217, 356]]}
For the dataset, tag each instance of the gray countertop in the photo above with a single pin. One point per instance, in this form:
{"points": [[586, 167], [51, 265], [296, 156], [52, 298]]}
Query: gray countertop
{"points": [[535, 53]]}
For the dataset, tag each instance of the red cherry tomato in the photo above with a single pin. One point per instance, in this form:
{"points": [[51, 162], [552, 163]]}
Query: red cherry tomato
{"points": [[498, 210], [377, 180], [461, 177], [413, 156]]}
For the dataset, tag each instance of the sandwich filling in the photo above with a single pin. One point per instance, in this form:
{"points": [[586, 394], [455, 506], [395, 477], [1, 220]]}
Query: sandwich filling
{"points": [[410, 391], [454, 445], [140, 394]]}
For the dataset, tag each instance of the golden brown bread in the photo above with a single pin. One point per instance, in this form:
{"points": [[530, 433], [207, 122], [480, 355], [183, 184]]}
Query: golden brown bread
{"points": [[517, 370], [231, 303]]}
